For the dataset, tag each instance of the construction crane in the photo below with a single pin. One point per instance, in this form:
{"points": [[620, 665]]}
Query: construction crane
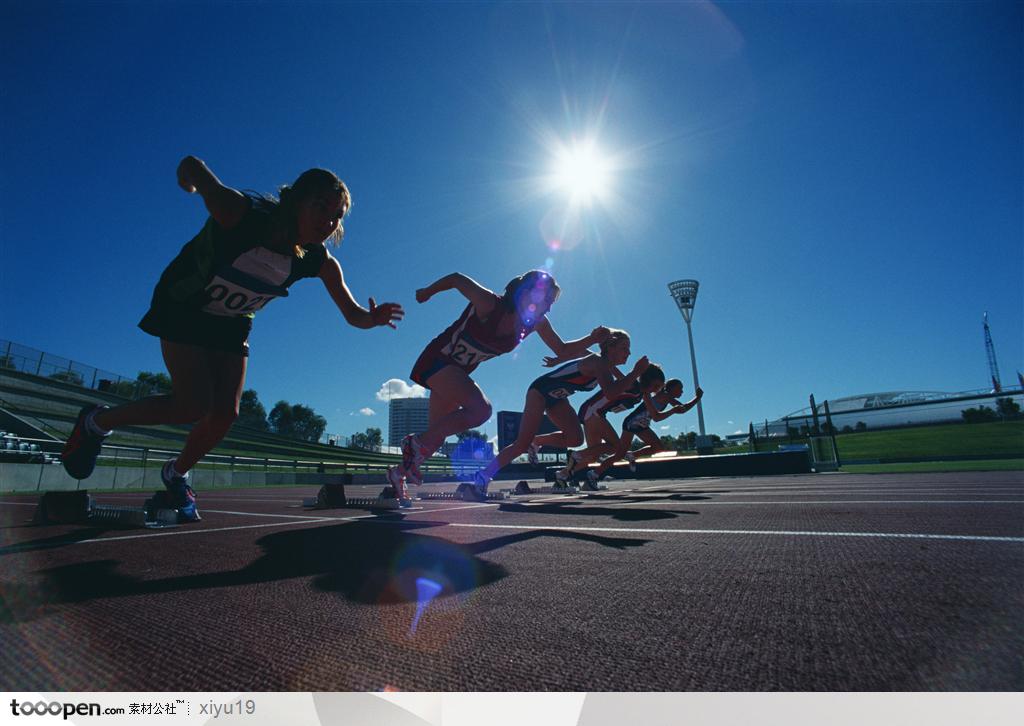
{"points": [[993, 367]]}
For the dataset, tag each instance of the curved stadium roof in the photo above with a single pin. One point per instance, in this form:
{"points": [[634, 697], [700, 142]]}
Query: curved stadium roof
{"points": [[873, 400]]}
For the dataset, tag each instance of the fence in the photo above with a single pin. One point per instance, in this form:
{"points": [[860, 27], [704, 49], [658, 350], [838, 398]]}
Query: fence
{"points": [[126, 467], [14, 356]]}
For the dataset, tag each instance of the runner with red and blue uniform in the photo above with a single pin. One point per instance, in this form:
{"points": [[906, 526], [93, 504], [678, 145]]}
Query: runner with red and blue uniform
{"points": [[489, 326]]}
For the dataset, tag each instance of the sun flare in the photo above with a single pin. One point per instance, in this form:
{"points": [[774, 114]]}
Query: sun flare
{"points": [[582, 171]]}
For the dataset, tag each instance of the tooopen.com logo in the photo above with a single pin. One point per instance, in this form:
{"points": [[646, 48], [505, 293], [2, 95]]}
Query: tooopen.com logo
{"points": [[55, 708]]}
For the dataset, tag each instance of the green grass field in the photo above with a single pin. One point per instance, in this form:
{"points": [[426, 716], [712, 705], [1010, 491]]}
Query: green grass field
{"points": [[997, 440]]}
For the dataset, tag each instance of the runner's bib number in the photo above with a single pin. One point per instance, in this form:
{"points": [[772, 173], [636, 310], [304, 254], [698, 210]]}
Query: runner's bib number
{"points": [[229, 298], [465, 354]]}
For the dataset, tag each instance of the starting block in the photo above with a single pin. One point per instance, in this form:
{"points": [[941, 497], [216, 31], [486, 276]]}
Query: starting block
{"points": [[79, 507], [458, 494], [332, 496], [571, 489]]}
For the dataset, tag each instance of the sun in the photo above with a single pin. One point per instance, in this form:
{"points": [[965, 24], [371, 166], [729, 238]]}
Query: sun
{"points": [[583, 171]]}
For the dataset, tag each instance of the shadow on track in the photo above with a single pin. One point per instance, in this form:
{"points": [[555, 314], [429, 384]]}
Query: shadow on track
{"points": [[363, 561]]}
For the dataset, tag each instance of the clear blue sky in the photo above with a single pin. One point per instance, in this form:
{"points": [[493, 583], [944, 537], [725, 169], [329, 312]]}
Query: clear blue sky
{"points": [[844, 179]]}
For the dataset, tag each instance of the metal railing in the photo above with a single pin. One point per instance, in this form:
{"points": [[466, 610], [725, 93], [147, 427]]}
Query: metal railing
{"points": [[17, 357], [140, 466]]}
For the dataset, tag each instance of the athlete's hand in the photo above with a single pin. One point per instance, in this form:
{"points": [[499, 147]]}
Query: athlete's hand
{"points": [[550, 361], [641, 366], [185, 175], [423, 294], [699, 394], [386, 314]]}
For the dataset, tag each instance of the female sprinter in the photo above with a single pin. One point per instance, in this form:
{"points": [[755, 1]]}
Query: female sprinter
{"points": [[251, 249]]}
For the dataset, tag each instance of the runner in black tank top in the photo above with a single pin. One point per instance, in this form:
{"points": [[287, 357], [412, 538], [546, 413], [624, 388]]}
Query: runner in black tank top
{"points": [[250, 251]]}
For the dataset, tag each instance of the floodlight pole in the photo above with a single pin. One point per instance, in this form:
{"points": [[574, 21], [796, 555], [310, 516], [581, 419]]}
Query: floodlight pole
{"points": [[684, 292]]}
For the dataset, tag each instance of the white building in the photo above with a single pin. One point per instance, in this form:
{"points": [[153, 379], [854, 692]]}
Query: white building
{"points": [[407, 416]]}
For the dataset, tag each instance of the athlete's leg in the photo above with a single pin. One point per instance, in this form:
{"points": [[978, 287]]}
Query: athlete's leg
{"points": [[654, 444], [625, 440], [569, 433], [601, 440], [533, 413], [227, 372], [460, 405], [190, 397]]}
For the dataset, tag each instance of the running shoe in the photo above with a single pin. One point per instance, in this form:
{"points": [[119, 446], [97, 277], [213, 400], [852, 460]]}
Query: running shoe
{"points": [[564, 476], [631, 458], [590, 482], [533, 454], [83, 446], [397, 482], [413, 454], [478, 491], [182, 496]]}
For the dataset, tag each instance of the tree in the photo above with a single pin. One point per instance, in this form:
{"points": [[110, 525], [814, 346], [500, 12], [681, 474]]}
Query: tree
{"points": [[124, 389], [979, 414], [471, 434], [251, 412], [154, 382], [669, 442], [861, 426], [72, 377], [296, 421], [1007, 407], [371, 440]]}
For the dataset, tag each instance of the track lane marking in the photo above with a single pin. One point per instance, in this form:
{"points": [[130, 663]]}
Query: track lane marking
{"points": [[759, 532]]}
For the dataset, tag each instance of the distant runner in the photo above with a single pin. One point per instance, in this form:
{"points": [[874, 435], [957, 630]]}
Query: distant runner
{"points": [[489, 326], [549, 394], [638, 423]]}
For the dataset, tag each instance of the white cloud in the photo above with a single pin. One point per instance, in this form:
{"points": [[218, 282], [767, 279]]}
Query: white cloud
{"points": [[665, 428], [367, 411], [397, 388]]}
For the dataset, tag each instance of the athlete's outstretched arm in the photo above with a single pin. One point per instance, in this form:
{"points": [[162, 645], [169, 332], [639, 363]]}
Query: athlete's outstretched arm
{"points": [[226, 205], [568, 350], [684, 407], [356, 315], [479, 296], [605, 373]]}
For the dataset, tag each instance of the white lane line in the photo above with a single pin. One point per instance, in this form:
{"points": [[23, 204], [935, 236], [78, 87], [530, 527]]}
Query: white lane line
{"points": [[204, 510], [701, 503], [178, 532], [639, 530]]}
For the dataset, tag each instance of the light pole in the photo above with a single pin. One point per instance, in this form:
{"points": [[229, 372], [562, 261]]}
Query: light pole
{"points": [[684, 292]]}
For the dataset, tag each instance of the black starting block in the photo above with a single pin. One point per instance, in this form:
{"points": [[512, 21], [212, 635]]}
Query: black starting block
{"points": [[63, 507], [460, 494], [79, 507], [332, 496]]}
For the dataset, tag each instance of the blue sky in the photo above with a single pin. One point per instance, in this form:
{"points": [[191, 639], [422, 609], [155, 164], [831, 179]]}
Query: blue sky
{"points": [[844, 179]]}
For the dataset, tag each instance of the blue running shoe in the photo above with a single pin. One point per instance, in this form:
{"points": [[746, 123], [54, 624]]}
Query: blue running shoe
{"points": [[182, 495], [82, 447], [478, 491]]}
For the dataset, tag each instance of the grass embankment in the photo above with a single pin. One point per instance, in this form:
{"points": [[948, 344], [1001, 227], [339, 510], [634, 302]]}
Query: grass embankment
{"points": [[888, 451]]}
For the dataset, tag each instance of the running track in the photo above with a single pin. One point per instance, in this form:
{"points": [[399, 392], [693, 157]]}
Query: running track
{"points": [[841, 582]]}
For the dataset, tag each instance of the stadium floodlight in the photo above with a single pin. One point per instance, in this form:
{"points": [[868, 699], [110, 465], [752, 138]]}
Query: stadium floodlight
{"points": [[684, 292]]}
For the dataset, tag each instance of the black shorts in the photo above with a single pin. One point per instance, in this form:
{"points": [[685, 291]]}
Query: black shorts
{"points": [[636, 422], [194, 327], [553, 390]]}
